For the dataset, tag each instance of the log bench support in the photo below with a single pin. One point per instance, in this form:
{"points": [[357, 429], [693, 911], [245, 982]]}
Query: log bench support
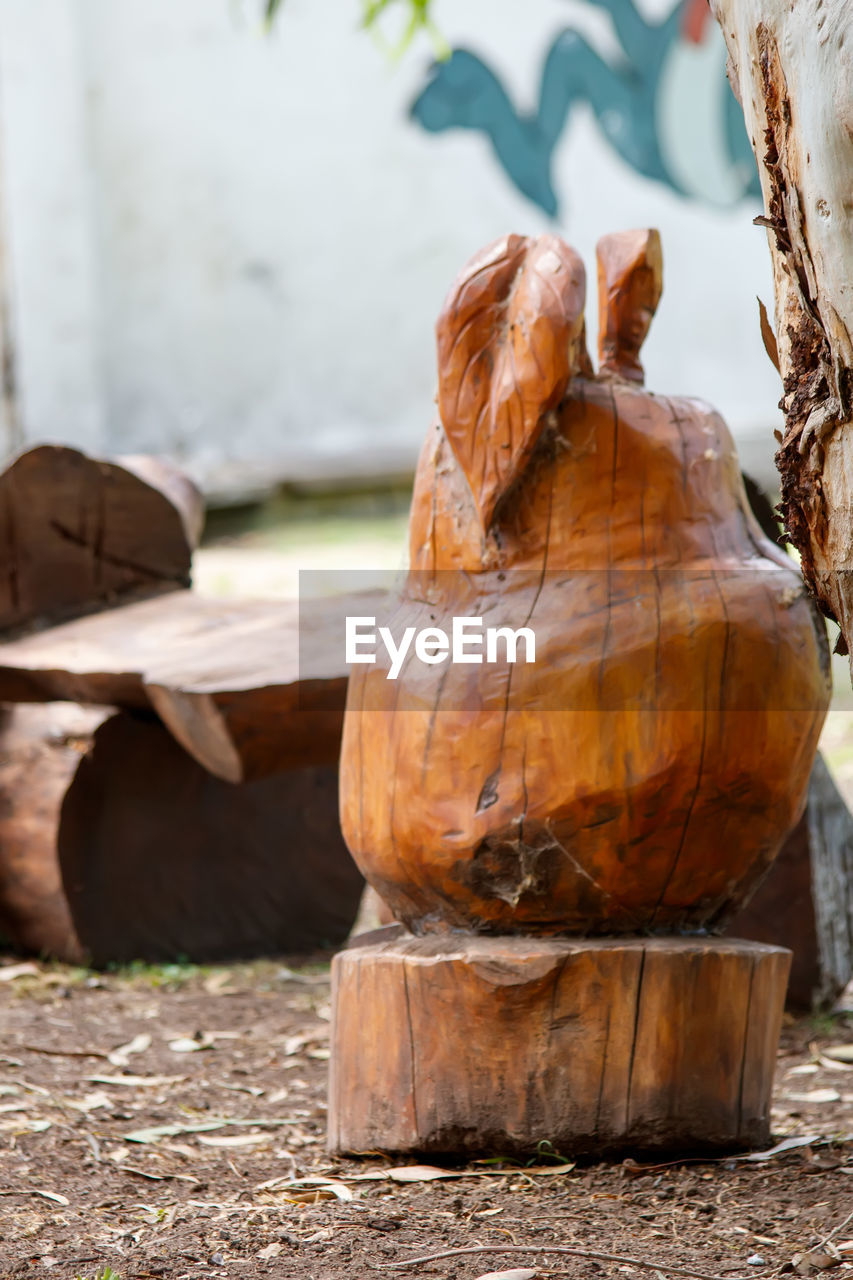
{"points": [[452, 1044]]}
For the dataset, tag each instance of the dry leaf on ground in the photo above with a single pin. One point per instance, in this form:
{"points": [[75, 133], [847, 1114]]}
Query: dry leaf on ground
{"points": [[431, 1173], [137, 1082], [235, 1140], [120, 1055], [307, 1188], [9, 972], [156, 1132], [788, 1144], [839, 1052], [517, 1273]]}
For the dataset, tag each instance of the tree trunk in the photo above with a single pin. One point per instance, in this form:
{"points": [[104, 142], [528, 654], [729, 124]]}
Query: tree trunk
{"points": [[806, 901], [791, 66]]}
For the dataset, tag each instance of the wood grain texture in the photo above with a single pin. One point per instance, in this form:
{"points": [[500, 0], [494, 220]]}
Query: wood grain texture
{"points": [[643, 773], [805, 902], [630, 281], [78, 533], [40, 752], [160, 859], [781, 911], [468, 1044], [116, 845], [247, 687], [510, 336]]}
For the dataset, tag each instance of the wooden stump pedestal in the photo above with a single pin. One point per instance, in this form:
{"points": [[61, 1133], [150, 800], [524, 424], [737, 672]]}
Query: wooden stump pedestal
{"points": [[463, 1044]]}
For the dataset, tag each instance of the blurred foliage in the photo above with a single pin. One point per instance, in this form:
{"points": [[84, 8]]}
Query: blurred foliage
{"points": [[416, 16]]}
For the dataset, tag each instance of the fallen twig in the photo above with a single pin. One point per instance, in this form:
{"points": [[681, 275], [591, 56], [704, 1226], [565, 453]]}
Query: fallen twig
{"points": [[65, 1053], [159, 1177], [632, 1169], [835, 1231], [591, 1255], [153, 1135]]}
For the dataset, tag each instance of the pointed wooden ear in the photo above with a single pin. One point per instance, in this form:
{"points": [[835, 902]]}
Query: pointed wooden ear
{"points": [[630, 281], [510, 336]]}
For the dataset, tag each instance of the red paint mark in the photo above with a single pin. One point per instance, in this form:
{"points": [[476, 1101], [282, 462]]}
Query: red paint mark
{"points": [[694, 20]]}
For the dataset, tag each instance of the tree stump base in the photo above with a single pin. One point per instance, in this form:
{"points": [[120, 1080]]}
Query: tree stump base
{"points": [[458, 1045]]}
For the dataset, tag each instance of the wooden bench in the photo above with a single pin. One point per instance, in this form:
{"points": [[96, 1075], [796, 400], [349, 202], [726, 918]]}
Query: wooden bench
{"points": [[168, 767]]}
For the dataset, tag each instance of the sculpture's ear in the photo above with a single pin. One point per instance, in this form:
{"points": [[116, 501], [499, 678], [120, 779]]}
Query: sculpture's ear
{"points": [[630, 280], [510, 336]]}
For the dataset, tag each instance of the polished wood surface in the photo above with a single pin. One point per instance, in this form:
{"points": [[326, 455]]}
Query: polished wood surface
{"points": [[630, 281], [509, 338], [644, 772]]}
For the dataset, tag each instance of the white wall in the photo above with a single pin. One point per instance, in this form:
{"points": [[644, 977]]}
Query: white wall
{"points": [[231, 247]]}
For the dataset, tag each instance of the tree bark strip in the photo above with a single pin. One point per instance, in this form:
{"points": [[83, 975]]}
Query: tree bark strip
{"points": [[791, 67]]}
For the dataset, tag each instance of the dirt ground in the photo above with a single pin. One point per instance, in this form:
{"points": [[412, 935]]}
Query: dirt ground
{"points": [[225, 1068]]}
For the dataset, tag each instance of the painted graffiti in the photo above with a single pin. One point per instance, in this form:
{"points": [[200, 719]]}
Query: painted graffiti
{"points": [[665, 107]]}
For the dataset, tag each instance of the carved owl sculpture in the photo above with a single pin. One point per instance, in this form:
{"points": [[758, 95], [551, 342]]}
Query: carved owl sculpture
{"points": [[642, 772]]}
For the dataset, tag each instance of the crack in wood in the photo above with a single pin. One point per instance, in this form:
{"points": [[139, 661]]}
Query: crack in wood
{"points": [[637, 1012], [116, 562]]}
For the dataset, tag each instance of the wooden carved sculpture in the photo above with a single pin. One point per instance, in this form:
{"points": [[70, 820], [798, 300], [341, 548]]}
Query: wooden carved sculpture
{"points": [[637, 778], [643, 773]]}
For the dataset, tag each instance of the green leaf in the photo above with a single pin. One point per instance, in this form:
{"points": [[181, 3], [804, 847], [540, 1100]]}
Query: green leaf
{"points": [[419, 18]]}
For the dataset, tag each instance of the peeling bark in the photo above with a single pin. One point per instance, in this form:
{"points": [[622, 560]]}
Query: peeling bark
{"points": [[791, 66]]}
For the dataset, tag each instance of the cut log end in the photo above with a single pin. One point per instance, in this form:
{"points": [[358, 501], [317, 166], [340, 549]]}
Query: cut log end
{"points": [[78, 533], [470, 1044]]}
